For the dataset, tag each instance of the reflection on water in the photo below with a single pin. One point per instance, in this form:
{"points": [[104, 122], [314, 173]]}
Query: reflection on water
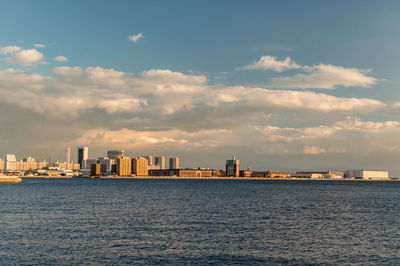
{"points": [[63, 221]]}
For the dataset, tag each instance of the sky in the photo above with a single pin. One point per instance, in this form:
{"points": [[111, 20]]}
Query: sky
{"points": [[286, 85]]}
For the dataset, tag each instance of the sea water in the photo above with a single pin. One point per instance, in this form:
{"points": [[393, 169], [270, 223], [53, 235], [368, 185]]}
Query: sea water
{"points": [[222, 222]]}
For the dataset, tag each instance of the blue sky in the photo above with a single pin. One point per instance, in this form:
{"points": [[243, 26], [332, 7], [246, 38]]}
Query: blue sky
{"points": [[195, 52]]}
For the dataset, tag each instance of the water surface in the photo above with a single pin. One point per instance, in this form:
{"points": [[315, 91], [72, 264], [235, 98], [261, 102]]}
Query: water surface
{"points": [[65, 221]]}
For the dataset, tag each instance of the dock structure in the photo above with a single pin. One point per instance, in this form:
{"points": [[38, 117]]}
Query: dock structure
{"points": [[10, 179]]}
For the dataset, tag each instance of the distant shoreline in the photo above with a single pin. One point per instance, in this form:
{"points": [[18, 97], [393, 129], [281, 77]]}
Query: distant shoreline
{"points": [[211, 178]]}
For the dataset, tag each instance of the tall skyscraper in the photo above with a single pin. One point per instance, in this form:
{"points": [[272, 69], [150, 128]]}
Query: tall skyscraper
{"points": [[10, 162], [124, 166], [113, 154], [106, 161], [174, 163], [140, 166], [149, 159], [232, 167], [68, 157], [160, 161], [83, 154]]}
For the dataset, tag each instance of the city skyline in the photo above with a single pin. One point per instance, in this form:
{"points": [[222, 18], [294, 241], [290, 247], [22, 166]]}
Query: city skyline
{"points": [[316, 91], [156, 162]]}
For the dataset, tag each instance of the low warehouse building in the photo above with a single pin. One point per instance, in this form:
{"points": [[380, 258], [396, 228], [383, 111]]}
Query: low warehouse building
{"points": [[366, 174]]}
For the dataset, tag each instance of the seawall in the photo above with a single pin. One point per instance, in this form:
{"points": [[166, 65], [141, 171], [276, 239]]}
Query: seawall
{"points": [[10, 179]]}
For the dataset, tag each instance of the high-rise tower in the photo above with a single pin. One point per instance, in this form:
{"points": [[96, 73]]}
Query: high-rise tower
{"points": [[83, 154], [160, 161], [68, 157], [232, 167], [174, 163]]}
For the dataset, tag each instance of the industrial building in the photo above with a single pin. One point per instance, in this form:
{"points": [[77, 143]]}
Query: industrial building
{"points": [[188, 172], [367, 174], [270, 174], [320, 174]]}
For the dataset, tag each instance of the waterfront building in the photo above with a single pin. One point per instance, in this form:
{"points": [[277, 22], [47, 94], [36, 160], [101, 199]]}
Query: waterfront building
{"points": [[312, 175], [140, 166], [367, 174], [174, 163], [232, 167], [1, 164], [107, 161], [320, 174], [246, 173], [113, 154], [44, 164], [87, 164], [187, 172], [83, 154], [124, 166], [153, 167], [10, 162], [149, 159], [65, 166], [160, 161], [277, 174], [97, 169]]}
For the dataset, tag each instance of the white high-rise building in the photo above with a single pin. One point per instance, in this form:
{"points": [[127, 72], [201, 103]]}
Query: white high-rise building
{"points": [[68, 157], [11, 162]]}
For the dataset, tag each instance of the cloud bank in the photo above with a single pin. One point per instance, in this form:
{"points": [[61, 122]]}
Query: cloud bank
{"points": [[164, 111], [320, 76]]}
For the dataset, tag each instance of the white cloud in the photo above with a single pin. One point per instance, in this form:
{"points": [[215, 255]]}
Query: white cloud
{"points": [[61, 58], [135, 38], [71, 72], [163, 93], [272, 63], [320, 76], [39, 45], [131, 138], [23, 57], [324, 77], [264, 99], [313, 150], [9, 49], [357, 124], [121, 104], [286, 135]]}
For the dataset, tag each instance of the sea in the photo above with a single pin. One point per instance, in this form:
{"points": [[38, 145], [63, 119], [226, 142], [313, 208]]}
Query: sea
{"points": [[199, 222]]}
